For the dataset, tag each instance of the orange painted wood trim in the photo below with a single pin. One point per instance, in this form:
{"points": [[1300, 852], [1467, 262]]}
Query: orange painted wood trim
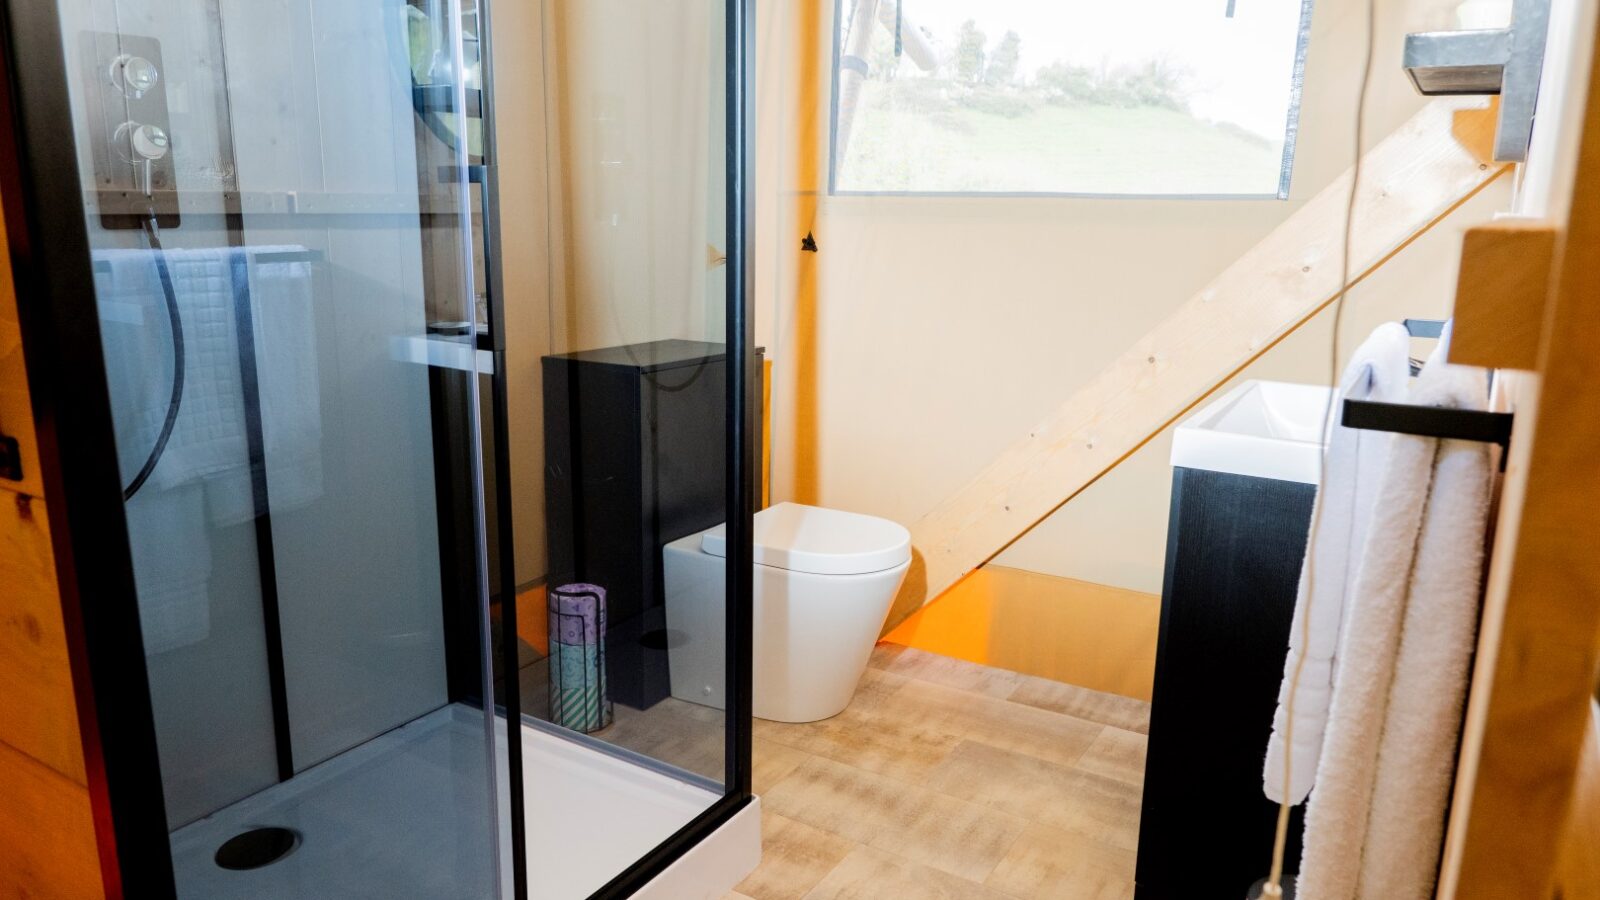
{"points": [[1501, 294], [1090, 635]]}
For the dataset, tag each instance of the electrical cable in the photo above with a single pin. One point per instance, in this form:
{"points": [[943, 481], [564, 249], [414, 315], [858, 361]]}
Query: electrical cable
{"points": [[175, 321], [1273, 888]]}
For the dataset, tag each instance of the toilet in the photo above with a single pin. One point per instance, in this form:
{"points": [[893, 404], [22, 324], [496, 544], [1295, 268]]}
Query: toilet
{"points": [[824, 580]]}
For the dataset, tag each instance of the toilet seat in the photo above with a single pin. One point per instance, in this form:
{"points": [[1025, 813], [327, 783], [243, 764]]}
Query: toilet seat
{"points": [[820, 541]]}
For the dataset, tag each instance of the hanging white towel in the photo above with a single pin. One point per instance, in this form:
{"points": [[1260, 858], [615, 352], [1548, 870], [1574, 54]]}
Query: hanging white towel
{"points": [[282, 325], [1337, 816], [208, 435], [171, 549], [167, 528], [1353, 465], [1417, 752], [204, 472]]}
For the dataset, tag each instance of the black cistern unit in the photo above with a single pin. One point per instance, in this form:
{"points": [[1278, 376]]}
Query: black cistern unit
{"points": [[635, 448]]}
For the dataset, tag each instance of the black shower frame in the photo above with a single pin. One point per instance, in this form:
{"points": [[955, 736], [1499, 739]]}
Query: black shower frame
{"points": [[41, 200]]}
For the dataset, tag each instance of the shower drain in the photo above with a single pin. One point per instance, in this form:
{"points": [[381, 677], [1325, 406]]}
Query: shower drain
{"points": [[256, 848]]}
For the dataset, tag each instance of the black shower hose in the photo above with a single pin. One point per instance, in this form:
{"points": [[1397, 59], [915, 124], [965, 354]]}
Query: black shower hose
{"points": [[176, 323]]}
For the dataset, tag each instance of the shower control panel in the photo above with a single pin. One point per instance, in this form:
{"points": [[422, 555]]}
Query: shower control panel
{"points": [[130, 130]]}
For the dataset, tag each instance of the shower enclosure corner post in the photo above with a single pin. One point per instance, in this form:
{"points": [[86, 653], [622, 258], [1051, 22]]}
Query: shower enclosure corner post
{"points": [[41, 194], [744, 394], [505, 556]]}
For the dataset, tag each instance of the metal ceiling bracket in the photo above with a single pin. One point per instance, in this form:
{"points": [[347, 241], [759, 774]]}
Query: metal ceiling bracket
{"points": [[1503, 61]]}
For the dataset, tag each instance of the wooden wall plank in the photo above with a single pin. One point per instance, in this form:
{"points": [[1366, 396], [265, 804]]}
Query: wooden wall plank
{"points": [[1506, 268], [1578, 876], [1411, 180], [1544, 583], [47, 843], [37, 715]]}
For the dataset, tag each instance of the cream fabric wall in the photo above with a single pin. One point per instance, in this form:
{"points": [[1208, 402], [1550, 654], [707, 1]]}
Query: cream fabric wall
{"points": [[520, 100], [630, 122], [604, 114], [929, 333]]}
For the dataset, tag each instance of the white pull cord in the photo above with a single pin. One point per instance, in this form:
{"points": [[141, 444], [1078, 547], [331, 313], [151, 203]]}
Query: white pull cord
{"points": [[1273, 889]]}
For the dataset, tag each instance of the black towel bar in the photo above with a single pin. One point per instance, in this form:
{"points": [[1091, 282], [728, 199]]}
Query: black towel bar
{"points": [[1429, 421]]}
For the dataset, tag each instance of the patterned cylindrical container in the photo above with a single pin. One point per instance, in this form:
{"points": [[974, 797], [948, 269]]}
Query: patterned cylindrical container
{"points": [[578, 657]]}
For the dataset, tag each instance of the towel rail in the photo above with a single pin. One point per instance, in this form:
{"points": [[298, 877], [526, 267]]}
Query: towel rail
{"points": [[101, 267], [1429, 421], [1425, 328]]}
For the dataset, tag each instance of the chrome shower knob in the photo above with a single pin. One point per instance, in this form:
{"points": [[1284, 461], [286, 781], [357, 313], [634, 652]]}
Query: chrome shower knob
{"points": [[150, 142], [141, 143], [134, 75]]}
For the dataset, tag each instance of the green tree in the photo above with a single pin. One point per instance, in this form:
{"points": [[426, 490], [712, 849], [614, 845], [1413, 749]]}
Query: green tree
{"points": [[1064, 83], [969, 52], [1155, 83], [1002, 65]]}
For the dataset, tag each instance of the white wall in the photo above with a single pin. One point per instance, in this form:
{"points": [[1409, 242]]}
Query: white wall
{"points": [[941, 329]]}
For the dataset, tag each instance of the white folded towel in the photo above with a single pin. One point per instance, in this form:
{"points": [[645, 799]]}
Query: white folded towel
{"points": [[1352, 469], [1338, 814], [1417, 753]]}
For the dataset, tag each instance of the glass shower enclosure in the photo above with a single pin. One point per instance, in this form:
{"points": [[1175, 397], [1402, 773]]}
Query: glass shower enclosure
{"points": [[276, 259]]}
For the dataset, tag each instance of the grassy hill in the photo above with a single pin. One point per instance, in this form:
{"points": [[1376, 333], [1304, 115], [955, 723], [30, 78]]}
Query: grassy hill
{"points": [[1035, 147]]}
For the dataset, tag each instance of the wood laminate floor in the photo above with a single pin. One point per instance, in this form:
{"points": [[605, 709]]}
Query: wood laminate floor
{"points": [[947, 779]]}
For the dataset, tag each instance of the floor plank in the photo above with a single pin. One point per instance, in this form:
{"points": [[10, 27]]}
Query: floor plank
{"points": [[1047, 864], [869, 874], [962, 838], [954, 673], [1037, 790], [878, 732], [947, 779], [998, 723], [794, 857], [1116, 754], [771, 763], [1081, 703]]}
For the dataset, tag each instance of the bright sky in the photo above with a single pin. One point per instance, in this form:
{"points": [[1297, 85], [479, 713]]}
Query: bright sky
{"points": [[1240, 67]]}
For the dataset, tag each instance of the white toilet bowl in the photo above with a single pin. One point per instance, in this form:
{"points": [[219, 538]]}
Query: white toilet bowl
{"points": [[824, 580]]}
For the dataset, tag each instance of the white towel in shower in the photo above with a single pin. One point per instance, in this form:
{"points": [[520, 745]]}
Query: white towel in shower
{"points": [[283, 325], [1417, 752], [1353, 465], [204, 477], [208, 435], [171, 549], [1337, 816], [168, 532]]}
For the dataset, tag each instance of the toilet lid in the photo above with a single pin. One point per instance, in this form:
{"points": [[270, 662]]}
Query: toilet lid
{"points": [[820, 541]]}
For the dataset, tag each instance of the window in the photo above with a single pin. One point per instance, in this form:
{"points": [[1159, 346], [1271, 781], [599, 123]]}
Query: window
{"points": [[1084, 97]]}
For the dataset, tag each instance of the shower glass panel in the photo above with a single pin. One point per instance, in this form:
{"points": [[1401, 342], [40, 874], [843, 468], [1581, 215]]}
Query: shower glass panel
{"points": [[623, 640], [276, 199]]}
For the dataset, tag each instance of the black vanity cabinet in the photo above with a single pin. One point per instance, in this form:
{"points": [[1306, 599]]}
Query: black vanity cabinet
{"points": [[635, 455], [1235, 544]]}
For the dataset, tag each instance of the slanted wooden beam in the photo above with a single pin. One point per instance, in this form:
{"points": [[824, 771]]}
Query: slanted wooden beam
{"points": [[1435, 162]]}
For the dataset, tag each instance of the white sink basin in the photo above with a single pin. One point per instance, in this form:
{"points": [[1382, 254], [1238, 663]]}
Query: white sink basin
{"points": [[1267, 429]]}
